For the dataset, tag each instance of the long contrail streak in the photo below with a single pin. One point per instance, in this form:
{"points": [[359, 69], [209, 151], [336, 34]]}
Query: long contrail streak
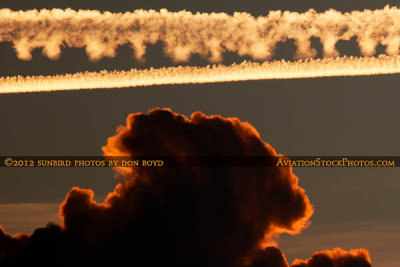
{"points": [[207, 34], [327, 67]]}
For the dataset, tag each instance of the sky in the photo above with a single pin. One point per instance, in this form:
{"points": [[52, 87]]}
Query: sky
{"points": [[354, 207]]}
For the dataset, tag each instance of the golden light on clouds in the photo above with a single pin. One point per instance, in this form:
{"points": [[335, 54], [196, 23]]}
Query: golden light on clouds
{"points": [[327, 67], [184, 33]]}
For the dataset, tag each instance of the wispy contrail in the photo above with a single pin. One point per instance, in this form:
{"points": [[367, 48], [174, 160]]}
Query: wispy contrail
{"points": [[208, 34], [345, 66]]}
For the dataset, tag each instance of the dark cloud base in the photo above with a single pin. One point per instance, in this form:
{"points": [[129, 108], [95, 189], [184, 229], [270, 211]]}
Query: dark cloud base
{"points": [[179, 216]]}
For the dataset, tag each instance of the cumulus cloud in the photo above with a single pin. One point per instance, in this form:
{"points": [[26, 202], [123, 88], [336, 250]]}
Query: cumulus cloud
{"points": [[336, 258], [179, 215]]}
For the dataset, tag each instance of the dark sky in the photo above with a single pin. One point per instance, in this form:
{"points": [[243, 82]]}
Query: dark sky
{"points": [[256, 7], [329, 116]]}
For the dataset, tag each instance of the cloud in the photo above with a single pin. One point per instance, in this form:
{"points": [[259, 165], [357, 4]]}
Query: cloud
{"points": [[336, 258], [181, 215], [11, 245], [269, 257], [327, 67], [207, 34]]}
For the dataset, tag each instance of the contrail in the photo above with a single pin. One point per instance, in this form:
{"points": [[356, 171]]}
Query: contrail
{"points": [[310, 68], [207, 34]]}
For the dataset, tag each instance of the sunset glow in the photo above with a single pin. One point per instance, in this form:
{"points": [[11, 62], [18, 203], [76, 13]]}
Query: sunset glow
{"points": [[328, 67]]}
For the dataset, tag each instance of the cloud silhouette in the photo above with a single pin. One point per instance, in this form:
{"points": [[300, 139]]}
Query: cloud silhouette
{"points": [[336, 258], [178, 215]]}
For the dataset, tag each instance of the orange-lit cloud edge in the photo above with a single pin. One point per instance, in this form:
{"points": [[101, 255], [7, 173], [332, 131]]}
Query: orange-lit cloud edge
{"points": [[212, 35], [128, 142]]}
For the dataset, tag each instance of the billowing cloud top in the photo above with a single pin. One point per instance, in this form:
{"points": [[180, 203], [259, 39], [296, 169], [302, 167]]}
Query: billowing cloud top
{"points": [[336, 258], [176, 216]]}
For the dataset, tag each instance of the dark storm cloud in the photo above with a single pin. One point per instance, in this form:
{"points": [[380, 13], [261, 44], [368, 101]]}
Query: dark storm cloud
{"points": [[269, 257], [11, 245], [177, 216]]}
